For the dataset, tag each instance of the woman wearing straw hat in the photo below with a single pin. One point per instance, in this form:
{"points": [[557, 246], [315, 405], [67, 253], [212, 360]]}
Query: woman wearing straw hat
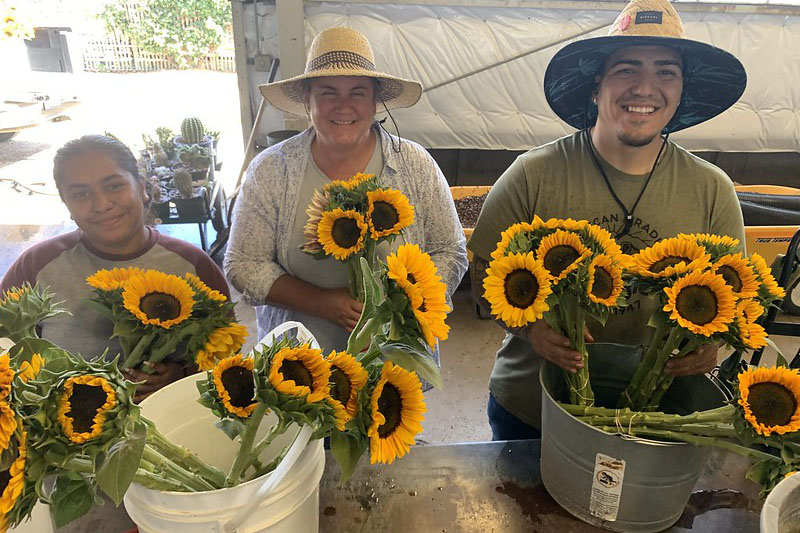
{"points": [[340, 92], [625, 93]]}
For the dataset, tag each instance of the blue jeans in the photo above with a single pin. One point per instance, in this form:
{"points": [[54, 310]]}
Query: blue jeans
{"points": [[506, 426]]}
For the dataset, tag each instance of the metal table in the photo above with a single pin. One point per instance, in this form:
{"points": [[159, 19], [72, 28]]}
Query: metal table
{"points": [[495, 487]]}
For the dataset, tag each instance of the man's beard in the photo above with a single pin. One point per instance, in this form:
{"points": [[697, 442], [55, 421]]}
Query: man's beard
{"points": [[635, 141]]}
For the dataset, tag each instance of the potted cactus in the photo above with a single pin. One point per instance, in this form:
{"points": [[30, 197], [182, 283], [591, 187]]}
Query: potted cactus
{"points": [[193, 132]]}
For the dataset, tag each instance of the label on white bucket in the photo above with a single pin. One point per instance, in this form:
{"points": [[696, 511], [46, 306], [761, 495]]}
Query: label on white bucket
{"points": [[606, 487]]}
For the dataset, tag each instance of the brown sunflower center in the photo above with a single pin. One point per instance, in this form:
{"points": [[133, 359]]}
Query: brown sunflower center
{"points": [[390, 405], [521, 288], [666, 262], [411, 279], [559, 257], [731, 277], [160, 305], [84, 402], [5, 477], [297, 372], [340, 385], [771, 403], [603, 284], [345, 232], [697, 304], [384, 216], [238, 381]]}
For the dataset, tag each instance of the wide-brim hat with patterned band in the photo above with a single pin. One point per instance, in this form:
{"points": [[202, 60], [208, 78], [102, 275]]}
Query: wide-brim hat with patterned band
{"points": [[713, 79], [341, 52]]}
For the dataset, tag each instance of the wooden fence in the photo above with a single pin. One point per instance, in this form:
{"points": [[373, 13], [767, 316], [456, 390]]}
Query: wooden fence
{"points": [[111, 54]]}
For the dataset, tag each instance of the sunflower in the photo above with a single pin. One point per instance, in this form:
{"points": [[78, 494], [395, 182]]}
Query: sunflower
{"points": [[605, 281], [12, 295], [83, 405], [8, 424], [233, 380], [109, 280], [670, 256], [158, 299], [12, 480], [28, 371], [561, 252], [341, 232], [566, 224], [701, 302], [431, 318], [388, 212], [6, 376], [357, 179], [319, 204], [720, 244], [770, 399], [347, 378], [340, 416], [604, 240], [398, 409], [738, 274], [198, 285], [751, 334], [509, 235], [222, 342], [769, 289], [517, 287], [301, 371]]}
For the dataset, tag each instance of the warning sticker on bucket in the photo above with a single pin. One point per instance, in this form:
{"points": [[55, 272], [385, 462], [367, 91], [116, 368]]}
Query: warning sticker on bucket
{"points": [[606, 487]]}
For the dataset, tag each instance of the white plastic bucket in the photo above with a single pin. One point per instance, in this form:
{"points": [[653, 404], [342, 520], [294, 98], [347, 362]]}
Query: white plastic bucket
{"points": [[781, 511], [293, 507]]}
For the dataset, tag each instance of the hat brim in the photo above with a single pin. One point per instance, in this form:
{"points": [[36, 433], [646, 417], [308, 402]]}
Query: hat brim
{"points": [[287, 95], [713, 79]]}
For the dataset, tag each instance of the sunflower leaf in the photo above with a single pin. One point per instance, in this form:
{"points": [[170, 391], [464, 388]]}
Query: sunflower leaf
{"points": [[71, 499], [232, 428], [414, 361], [347, 450], [116, 472]]}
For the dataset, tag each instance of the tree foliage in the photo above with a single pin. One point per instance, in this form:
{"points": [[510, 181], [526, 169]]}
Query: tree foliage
{"points": [[183, 30]]}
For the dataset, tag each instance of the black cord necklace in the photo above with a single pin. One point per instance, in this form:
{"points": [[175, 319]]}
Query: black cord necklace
{"points": [[628, 224]]}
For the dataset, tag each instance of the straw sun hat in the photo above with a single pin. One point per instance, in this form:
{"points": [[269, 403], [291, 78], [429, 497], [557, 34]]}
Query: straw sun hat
{"points": [[340, 52], [713, 79]]}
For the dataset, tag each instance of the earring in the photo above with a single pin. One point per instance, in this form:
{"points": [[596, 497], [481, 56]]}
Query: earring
{"points": [[594, 100]]}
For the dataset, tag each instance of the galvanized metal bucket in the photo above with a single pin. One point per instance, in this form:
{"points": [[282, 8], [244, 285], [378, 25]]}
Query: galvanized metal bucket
{"points": [[609, 481]]}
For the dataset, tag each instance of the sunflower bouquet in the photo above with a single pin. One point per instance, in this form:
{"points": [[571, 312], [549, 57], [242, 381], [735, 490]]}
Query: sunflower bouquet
{"points": [[158, 315], [707, 292], [563, 271], [379, 405]]}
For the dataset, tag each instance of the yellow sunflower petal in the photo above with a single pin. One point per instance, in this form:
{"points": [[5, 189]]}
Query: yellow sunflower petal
{"points": [[752, 335], [669, 257], [770, 399], [8, 424], [398, 409], [109, 280], [222, 342], [233, 380], [605, 281], [561, 252], [79, 430], [347, 378], [769, 287], [509, 235], [28, 371], [198, 285], [701, 302], [341, 232], [388, 212], [16, 479], [158, 299], [301, 371], [517, 287], [738, 274], [6, 376]]}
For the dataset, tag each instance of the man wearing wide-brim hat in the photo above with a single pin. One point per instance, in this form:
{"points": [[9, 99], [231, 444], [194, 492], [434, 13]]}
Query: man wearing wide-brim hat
{"points": [[625, 93]]}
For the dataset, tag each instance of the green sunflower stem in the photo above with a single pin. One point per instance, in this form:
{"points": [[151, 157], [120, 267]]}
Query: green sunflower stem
{"points": [[171, 470], [372, 353], [182, 456], [275, 432], [354, 278], [245, 456], [641, 397], [143, 477], [646, 364], [133, 358], [697, 440], [584, 393]]}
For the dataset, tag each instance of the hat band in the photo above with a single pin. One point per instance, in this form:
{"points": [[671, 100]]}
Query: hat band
{"points": [[339, 60]]}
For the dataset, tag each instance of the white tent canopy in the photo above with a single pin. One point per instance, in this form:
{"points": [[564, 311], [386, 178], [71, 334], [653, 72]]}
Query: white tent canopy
{"points": [[482, 64]]}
